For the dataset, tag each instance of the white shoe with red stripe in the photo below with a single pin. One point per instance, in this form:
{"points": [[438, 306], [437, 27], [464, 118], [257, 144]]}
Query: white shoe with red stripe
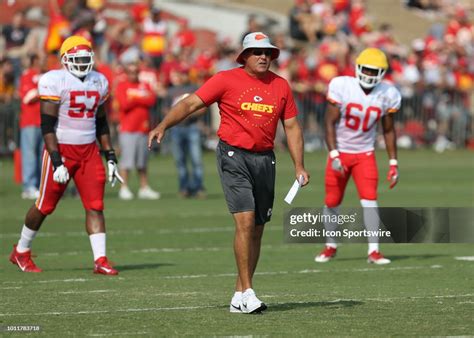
{"points": [[376, 257], [326, 255]]}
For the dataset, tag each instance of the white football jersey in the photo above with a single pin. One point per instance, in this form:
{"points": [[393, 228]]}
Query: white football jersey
{"points": [[357, 127], [78, 101]]}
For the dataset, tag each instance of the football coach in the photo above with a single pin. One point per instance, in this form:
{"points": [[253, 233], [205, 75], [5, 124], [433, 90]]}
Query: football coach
{"points": [[251, 99]]}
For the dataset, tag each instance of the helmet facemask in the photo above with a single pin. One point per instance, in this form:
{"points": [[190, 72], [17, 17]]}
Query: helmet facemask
{"points": [[369, 81], [78, 61]]}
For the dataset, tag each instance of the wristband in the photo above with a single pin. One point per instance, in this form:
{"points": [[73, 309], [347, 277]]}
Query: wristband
{"points": [[333, 154], [393, 161], [56, 159], [110, 155]]}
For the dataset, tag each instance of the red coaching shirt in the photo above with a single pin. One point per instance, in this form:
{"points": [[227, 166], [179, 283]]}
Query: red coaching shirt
{"points": [[30, 104], [250, 108], [135, 101]]}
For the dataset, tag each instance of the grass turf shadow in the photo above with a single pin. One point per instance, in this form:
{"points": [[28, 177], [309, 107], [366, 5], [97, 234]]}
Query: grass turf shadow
{"points": [[340, 303], [278, 307]]}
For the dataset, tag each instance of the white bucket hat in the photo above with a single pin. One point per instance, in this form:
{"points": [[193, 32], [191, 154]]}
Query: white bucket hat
{"points": [[257, 40]]}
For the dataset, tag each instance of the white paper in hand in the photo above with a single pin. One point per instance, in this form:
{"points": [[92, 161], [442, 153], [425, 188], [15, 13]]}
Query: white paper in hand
{"points": [[294, 190]]}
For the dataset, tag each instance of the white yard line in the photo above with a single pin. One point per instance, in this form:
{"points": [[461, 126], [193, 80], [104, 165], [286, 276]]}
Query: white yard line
{"points": [[88, 291], [118, 334], [231, 274], [155, 250], [264, 273], [465, 258], [70, 280], [135, 232], [11, 288], [73, 313]]}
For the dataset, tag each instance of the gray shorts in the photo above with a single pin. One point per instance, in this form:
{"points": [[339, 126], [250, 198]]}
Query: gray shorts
{"points": [[248, 180], [133, 150]]}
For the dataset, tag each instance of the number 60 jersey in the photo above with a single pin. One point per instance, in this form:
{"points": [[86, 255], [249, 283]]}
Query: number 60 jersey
{"points": [[360, 112], [78, 102]]}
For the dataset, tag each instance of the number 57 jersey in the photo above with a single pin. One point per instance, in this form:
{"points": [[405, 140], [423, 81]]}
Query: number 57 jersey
{"points": [[78, 102], [360, 112]]}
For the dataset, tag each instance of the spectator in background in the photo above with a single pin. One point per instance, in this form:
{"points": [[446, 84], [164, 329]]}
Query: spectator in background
{"points": [[15, 36], [7, 87], [59, 28], [359, 22], [36, 38], [184, 38], [31, 141], [135, 98], [459, 29], [154, 41], [253, 25], [227, 59], [302, 24], [83, 25], [141, 10], [186, 138]]}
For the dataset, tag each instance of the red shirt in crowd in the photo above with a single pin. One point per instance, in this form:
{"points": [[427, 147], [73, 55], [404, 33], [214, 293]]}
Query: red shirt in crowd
{"points": [[250, 108], [30, 104], [135, 100]]}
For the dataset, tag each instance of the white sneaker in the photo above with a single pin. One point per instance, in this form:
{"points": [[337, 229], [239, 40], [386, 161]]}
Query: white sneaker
{"points": [[236, 304], [376, 257], [250, 302], [125, 193], [147, 193], [326, 255], [30, 194]]}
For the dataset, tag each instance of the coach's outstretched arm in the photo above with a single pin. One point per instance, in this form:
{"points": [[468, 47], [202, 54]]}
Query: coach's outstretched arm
{"points": [[49, 118], [178, 113], [295, 141]]}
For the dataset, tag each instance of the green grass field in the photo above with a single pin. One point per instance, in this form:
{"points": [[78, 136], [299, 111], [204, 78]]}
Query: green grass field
{"points": [[177, 268]]}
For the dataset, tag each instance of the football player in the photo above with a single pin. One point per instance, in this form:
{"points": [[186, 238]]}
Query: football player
{"points": [[355, 105], [72, 106]]}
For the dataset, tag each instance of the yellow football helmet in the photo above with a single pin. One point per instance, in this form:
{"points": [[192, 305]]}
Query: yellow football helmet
{"points": [[374, 60], [77, 55]]}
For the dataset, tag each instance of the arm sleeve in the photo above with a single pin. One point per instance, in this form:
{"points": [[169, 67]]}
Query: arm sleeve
{"points": [[212, 90], [290, 106], [394, 101], [48, 88], [334, 91], [104, 93]]}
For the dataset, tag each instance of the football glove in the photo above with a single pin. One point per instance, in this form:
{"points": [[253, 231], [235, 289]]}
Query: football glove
{"points": [[112, 168], [336, 163], [61, 175], [392, 176], [60, 172]]}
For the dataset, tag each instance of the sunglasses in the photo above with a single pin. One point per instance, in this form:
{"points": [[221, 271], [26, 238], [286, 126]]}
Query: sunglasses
{"points": [[258, 52]]}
